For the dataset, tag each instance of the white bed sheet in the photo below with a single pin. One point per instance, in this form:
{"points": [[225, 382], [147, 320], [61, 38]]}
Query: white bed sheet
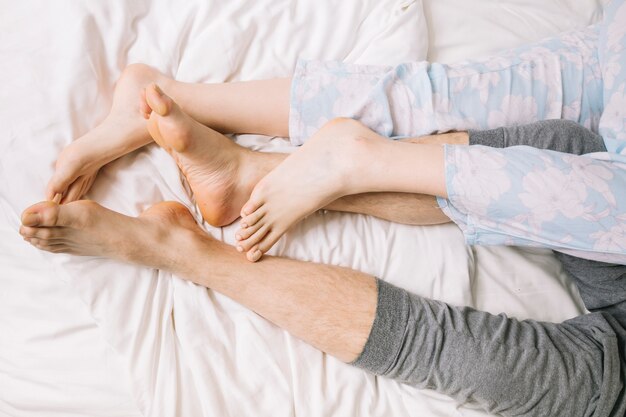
{"points": [[86, 336], [468, 29]]}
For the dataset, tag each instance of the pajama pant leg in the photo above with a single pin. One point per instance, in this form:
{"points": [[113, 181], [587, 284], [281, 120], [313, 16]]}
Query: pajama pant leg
{"points": [[524, 196], [506, 366], [559, 78], [562, 136], [612, 55]]}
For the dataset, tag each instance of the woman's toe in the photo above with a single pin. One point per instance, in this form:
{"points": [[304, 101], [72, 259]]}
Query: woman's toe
{"points": [[252, 205], [269, 241], [248, 243], [252, 219], [246, 232], [254, 254], [76, 190]]}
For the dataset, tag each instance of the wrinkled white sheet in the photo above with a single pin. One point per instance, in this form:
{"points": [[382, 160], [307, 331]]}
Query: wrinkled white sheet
{"points": [[87, 336], [467, 29]]}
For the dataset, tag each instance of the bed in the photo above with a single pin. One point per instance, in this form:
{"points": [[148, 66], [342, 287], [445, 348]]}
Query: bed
{"points": [[82, 336]]}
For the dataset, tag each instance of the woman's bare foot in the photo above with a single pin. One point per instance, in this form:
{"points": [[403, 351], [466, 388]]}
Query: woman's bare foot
{"points": [[123, 131], [221, 174], [320, 172], [154, 239]]}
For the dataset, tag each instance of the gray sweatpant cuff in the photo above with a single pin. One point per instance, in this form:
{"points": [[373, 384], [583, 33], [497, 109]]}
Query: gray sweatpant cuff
{"points": [[493, 138], [557, 135], [387, 335]]}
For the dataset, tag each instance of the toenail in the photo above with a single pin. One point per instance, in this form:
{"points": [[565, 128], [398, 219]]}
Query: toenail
{"points": [[257, 255], [238, 236], [244, 225], [239, 248]]}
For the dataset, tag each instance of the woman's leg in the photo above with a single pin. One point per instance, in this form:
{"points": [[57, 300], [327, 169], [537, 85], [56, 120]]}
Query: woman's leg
{"points": [[515, 196], [242, 107], [559, 78], [419, 209], [411, 100], [259, 107], [528, 197], [222, 174]]}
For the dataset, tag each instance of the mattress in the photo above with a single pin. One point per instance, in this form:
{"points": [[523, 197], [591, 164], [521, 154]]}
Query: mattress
{"points": [[85, 336]]}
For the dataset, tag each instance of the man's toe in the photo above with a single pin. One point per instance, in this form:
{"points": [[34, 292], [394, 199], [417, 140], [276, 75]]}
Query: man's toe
{"points": [[41, 214]]}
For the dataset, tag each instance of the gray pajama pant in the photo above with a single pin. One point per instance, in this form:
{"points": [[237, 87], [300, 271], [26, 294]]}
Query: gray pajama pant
{"points": [[507, 366]]}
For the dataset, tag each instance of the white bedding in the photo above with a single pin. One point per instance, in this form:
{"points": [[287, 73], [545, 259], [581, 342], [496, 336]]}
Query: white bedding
{"points": [[87, 336]]}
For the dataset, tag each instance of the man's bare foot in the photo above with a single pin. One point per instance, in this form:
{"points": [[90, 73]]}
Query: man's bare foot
{"points": [[123, 131], [154, 239], [221, 174], [318, 173]]}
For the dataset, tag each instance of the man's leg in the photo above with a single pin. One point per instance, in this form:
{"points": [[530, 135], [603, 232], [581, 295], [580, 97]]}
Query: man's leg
{"points": [[340, 301], [404, 208], [506, 366]]}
